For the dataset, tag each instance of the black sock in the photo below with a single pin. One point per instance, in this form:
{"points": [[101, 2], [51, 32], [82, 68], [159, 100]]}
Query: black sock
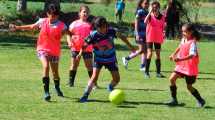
{"points": [[158, 65], [90, 73], [57, 83], [127, 58], [147, 65], [196, 94], [72, 74], [173, 90], [46, 83]]}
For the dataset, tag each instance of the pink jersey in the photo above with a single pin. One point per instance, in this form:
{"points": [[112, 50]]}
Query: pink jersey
{"points": [[187, 67], [154, 30], [49, 38], [80, 30]]}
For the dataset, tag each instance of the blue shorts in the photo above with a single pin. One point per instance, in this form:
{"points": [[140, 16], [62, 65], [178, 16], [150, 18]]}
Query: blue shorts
{"points": [[85, 55], [43, 54], [112, 66]]}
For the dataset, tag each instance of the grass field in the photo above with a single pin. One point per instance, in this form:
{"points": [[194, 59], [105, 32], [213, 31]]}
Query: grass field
{"points": [[21, 86]]}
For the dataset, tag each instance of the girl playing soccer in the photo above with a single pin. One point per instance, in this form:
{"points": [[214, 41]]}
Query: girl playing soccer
{"points": [[187, 59], [140, 31], [154, 36], [80, 29], [48, 46], [104, 54]]}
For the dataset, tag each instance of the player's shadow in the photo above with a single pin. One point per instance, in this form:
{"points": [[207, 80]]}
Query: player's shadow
{"points": [[152, 103], [206, 107], [141, 89]]}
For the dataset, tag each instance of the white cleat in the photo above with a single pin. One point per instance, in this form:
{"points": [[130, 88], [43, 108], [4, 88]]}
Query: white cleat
{"points": [[125, 62]]}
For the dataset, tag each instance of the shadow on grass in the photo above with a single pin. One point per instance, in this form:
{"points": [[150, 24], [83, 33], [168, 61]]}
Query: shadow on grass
{"points": [[140, 89], [9, 40]]}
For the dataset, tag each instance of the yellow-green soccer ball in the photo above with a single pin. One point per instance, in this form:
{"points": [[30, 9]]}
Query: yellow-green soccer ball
{"points": [[117, 96]]}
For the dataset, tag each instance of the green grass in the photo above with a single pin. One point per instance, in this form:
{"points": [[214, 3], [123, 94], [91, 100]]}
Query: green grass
{"points": [[21, 87]]}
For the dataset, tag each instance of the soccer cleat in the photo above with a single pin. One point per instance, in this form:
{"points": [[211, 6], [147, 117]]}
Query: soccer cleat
{"points": [[201, 103], [173, 102], [147, 75], [47, 96], [71, 84], [159, 75], [59, 92], [83, 99], [142, 69], [110, 88], [125, 62]]}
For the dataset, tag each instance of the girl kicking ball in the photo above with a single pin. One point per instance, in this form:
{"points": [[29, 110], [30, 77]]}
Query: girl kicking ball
{"points": [[48, 46], [186, 58], [104, 51]]}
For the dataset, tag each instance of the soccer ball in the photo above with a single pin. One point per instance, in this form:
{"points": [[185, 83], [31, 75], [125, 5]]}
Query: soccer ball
{"points": [[117, 96]]}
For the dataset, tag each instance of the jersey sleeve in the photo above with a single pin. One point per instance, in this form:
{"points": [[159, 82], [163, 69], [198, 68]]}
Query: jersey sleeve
{"points": [[193, 49], [39, 22], [138, 14], [89, 39]]}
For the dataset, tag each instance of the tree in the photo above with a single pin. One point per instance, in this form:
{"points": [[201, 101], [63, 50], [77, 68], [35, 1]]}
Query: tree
{"points": [[21, 5], [56, 2]]}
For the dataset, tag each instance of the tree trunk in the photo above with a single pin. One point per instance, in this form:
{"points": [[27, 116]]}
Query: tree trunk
{"points": [[56, 2], [21, 5]]}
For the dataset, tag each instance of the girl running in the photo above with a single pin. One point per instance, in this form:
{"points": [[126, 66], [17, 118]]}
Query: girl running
{"points": [[102, 40], [140, 31], [48, 46], [187, 59]]}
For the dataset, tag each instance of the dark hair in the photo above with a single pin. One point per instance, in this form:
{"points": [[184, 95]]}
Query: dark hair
{"points": [[194, 32], [53, 9], [84, 7], [139, 5], [156, 3], [99, 22]]}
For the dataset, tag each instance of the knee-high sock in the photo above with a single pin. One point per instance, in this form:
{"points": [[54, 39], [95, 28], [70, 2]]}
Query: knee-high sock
{"points": [[148, 61], [173, 90], [72, 74], [46, 83], [158, 65], [57, 83], [196, 94]]}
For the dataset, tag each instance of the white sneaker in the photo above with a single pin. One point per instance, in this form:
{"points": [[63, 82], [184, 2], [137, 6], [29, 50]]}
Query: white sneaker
{"points": [[142, 69], [125, 62]]}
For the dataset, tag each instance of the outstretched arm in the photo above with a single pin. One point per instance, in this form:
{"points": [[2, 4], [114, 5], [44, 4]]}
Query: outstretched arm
{"points": [[23, 27], [125, 40]]}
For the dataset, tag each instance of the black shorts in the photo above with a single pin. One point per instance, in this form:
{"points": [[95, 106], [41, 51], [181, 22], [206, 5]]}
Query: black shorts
{"points": [[113, 66], [85, 55], [157, 46], [189, 79]]}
